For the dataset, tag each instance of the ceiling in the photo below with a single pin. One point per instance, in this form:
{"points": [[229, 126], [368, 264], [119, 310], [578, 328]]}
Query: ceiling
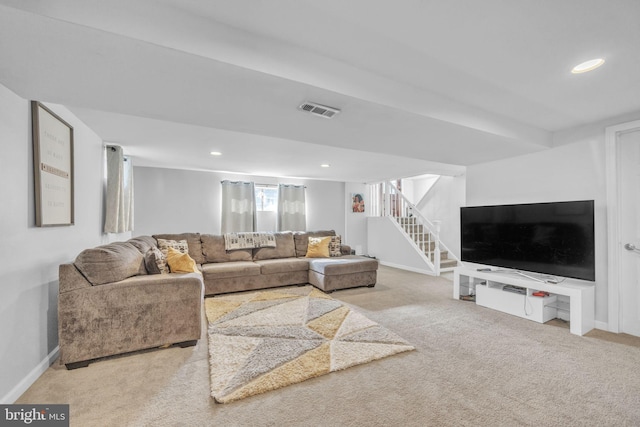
{"points": [[423, 86]]}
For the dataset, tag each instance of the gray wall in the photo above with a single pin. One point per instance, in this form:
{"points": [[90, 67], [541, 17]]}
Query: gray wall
{"points": [[30, 255], [177, 201]]}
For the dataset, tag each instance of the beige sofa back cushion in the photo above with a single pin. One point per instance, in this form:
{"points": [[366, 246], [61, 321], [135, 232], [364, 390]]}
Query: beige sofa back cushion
{"points": [[213, 250], [143, 244], [193, 241], [285, 248], [109, 263], [302, 240]]}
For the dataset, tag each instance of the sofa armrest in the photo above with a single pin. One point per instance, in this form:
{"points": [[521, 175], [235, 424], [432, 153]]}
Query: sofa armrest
{"points": [[134, 314], [71, 279]]}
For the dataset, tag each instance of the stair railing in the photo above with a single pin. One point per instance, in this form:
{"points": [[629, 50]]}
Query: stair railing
{"points": [[424, 233]]}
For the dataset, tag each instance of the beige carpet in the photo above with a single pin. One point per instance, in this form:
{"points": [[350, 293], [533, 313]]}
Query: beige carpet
{"points": [[472, 367], [262, 341]]}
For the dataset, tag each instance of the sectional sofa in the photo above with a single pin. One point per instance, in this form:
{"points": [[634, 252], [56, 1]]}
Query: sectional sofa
{"points": [[109, 303]]}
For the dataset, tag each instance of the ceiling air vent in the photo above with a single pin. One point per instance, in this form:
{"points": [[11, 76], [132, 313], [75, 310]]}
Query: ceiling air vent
{"points": [[319, 110]]}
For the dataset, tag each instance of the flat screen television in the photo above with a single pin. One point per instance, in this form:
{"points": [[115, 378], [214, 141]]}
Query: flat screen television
{"points": [[551, 238]]}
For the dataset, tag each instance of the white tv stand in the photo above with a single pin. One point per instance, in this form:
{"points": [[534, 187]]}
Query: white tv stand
{"points": [[488, 288]]}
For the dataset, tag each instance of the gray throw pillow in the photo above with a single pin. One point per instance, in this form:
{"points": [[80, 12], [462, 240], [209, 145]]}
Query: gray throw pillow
{"points": [[155, 261]]}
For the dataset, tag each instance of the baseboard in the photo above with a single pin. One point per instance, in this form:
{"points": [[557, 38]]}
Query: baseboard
{"points": [[405, 267], [27, 381], [603, 326]]}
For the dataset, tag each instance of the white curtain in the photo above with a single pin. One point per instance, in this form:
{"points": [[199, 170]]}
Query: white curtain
{"points": [[119, 203], [292, 214], [238, 207]]}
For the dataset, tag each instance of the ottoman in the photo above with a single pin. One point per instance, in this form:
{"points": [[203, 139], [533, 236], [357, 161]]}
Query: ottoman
{"points": [[349, 271]]}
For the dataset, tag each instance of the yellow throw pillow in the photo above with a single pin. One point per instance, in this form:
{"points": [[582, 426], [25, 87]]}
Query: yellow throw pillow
{"points": [[318, 247], [179, 262]]}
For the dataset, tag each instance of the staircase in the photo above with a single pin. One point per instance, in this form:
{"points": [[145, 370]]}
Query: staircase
{"points": [[419, 232], [425, 242]]}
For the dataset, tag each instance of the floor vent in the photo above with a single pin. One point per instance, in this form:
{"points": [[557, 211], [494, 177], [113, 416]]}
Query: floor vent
{"points": [[319, 110]]}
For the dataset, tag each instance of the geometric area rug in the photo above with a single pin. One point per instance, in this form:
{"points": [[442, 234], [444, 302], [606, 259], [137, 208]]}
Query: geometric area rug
{"points": [[262, 341]]}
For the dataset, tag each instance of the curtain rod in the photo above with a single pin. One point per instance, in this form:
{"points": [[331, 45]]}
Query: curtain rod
{"points": [[262, 185], [277, 185], [235, 182], [113, 148]]}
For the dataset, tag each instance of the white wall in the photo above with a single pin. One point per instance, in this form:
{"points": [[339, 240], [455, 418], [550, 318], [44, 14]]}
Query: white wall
{"points": [[175, 201], [389, 245], [30, 255], [325, 205], [415, 189], [178, 201], [574, 171]]}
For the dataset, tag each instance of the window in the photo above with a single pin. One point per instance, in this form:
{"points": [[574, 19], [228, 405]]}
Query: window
{"points": [[277, 207], [266, 198]]}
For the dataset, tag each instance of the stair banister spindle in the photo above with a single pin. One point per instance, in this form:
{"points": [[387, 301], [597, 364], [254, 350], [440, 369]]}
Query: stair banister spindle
{"points": [[436, 256], [387, 200]]}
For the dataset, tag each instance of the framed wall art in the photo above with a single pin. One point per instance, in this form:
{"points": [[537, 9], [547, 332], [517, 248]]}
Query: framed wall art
{"points": [[357, 202], [53, 167]]}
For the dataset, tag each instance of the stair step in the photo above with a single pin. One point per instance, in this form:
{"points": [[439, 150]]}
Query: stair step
{"points": [[430, 252], [415, 229], [406, 219], [447, 263], [421, 237], [426, 248], [443, 255]]}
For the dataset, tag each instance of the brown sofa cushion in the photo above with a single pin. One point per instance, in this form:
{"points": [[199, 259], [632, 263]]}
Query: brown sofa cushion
{"points": [[225, 270], [283, 265], [285, 248], [213, 250], [301, 240], [193, 241], [109, 263], [143, 243]]}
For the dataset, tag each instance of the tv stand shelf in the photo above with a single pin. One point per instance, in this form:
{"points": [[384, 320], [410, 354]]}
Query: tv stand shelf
{"points": [[489, 286]]}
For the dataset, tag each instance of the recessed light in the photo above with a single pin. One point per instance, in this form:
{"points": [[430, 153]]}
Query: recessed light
{"points": [[325, 165], [216, 153], [592, 64]]}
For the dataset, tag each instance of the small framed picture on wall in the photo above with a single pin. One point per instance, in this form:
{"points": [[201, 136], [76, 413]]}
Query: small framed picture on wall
{"points": [[357, 202]]}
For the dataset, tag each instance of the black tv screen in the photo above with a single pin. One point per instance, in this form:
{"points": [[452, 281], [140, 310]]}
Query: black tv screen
{"points": [[550, 238]]}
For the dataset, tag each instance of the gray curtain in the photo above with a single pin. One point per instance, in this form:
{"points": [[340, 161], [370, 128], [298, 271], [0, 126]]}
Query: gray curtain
{"points": [[292, 214], [119, 203], [238, 207]]}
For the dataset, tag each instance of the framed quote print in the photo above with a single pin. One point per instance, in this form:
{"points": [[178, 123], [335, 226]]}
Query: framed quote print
{"points": [[53, 167]]}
